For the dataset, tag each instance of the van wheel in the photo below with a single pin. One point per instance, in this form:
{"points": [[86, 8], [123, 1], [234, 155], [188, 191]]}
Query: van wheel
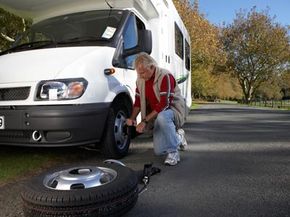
{"points": [[81, 191], [115, 142]]}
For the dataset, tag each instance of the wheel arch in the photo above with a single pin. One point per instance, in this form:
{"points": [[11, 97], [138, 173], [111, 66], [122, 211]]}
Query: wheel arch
{"points": [[123, 97]]}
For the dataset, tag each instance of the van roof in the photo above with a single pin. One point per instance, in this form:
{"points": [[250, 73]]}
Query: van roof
{"points": [[41, 9]]}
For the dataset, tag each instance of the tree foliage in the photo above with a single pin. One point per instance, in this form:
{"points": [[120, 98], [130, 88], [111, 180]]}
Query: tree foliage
{"points": [[285, 84], [227, 87], [10, 26], [257, 50], [207, 55], [204, 36], [270, 89]]}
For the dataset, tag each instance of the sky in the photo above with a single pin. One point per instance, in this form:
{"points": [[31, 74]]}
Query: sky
{"points": [[219, 11]]}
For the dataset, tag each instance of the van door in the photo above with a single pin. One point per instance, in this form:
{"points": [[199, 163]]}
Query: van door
{"points": [[165, 43], [130, 37]]}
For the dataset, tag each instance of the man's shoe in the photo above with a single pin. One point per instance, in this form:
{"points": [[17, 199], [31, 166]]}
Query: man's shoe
{"points": [[183, 144], [172, 158]]}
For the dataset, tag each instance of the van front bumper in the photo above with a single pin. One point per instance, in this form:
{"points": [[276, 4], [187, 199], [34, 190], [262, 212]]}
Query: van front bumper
{"points": [[64, 125]]}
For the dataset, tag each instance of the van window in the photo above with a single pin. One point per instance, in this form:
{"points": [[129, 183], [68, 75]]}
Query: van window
{"points": [[83, 28], [130, 40], [178, 42], [130, 36], [187, 55]]}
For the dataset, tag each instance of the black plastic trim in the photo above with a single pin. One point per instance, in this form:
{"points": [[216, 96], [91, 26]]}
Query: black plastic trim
{"points": [[63, 125]]}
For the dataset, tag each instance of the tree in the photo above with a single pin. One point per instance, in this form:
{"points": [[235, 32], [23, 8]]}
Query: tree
{"points": [[10, 26], [227, 87], [206, 49], [270, 89], [257, 49], [285, 84], [202, 85]]}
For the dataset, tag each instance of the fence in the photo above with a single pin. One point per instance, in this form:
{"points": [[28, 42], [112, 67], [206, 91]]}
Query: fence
{"points": [[281, 104]]}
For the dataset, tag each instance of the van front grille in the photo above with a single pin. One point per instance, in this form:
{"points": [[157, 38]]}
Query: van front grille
{"points": [[15, 135], [19, 93]]}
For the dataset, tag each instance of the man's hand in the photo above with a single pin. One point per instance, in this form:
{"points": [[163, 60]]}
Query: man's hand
{"points": [[140, 128], [130, 122]]}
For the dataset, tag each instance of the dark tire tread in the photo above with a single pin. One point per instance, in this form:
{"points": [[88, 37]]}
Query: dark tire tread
{"points": [[113, 199], [109, 146]]}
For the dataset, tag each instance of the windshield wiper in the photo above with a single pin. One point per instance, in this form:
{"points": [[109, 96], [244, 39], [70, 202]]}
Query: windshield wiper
{"points": [[29, 45], [42, 44], [81, 39]]}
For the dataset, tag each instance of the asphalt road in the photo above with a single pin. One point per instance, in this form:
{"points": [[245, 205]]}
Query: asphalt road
{"points": [[237, 164]]}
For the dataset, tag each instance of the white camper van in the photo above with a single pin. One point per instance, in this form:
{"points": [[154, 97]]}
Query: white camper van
{"points": [[69, 80]]}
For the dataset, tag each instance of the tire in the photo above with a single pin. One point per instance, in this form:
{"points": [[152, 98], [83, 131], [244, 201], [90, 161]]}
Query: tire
{"points": [[42, 197], [115, 142]]}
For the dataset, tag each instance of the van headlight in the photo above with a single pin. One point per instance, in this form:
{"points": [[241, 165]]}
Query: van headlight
{"points": [[61, 89]]}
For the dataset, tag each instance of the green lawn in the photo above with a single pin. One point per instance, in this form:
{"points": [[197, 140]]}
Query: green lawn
{"points": [[18, 162], [194, 106]]}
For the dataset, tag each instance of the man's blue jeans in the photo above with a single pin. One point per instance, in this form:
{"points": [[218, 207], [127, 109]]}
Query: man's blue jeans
{"points": [[165, 138]]}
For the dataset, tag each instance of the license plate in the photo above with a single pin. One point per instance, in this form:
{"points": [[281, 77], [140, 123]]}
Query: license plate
{"points": [[2, 123]]}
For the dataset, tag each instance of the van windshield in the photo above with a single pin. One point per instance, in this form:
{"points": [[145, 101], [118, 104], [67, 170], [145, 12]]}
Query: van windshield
{"points": [[91, 27]]}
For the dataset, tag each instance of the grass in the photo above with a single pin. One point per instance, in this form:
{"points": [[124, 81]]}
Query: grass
{"points": [[194, 106], [19, 162], [16, 163]]}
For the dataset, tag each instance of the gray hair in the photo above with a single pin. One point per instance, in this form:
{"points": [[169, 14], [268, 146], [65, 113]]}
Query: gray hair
{"points": [[145, 59]]}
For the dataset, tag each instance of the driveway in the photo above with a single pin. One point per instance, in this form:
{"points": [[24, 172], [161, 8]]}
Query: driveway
{"points": [[237, 164]]}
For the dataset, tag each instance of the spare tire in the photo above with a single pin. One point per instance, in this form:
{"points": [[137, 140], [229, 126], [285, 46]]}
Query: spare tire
{"points": [[79, 191]]}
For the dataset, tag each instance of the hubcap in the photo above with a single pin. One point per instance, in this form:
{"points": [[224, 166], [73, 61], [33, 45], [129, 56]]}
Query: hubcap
{"points": [[79, 178], [120, 136]]}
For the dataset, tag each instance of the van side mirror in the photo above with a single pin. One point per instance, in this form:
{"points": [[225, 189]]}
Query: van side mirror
{"points": [[144, 43]]}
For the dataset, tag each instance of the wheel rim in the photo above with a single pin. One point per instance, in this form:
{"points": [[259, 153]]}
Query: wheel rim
{"points": [[79, 178], [120, 136]]}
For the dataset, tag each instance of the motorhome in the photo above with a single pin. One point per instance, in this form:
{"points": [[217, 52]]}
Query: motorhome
{"points": [[70, 79]]}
